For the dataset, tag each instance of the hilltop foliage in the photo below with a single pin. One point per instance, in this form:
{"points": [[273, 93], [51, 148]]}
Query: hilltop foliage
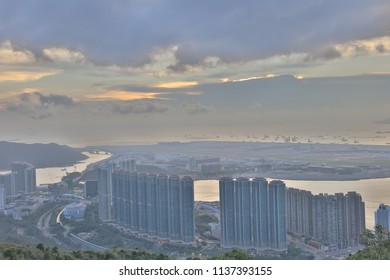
{"points": [[40, 252], [377, 245]]}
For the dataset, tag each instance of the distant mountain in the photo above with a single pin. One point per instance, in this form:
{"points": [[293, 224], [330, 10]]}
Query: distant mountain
{"points": [[40, 155]]}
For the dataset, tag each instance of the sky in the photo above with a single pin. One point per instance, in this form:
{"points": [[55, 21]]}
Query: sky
{"points": [[141, 71]]}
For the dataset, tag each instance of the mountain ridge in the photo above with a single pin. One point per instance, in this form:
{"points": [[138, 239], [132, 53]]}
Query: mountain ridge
{"points": [[40, 155]]}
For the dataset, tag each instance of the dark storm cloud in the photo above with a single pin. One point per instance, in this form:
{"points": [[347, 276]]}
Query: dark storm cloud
{"points": [[37, 105], [328, 53], [127, 32]]}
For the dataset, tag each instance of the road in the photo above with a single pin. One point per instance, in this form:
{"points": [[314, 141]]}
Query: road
{"points": [[44, 224]]}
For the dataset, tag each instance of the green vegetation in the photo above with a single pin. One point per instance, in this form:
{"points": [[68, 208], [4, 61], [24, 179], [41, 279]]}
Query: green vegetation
{"points": [[293, 253], [377, 245], [25, 231], [40, 252], [234, 254], [202, 223], [71, 176]]}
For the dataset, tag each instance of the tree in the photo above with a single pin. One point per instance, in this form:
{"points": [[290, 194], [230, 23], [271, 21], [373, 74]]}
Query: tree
{"points": [[377, 245], [41, 247], [234, 254]]}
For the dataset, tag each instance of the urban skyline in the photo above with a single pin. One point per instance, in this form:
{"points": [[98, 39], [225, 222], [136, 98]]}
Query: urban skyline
{"points": [[255, 214]]}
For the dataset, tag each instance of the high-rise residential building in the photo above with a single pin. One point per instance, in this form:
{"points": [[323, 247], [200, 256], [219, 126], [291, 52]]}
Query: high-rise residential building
{"points": [[187, 209], [162, 206], [91, 188], [155, 206], [128, 165], [105, 193], [242, 195], [335, 220], [300, 211], [355, 214], [191, 165], [118, 199], [25, 180], [132, 179], [382, 216], [2, 197], [8, 181], [151, 204], [227, 210], [174, 207], [141, 201], [260, 206], [253, 214], [277, 216]]}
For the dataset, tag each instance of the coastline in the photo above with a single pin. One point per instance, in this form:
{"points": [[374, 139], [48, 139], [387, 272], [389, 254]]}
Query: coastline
{"points": [[52, 175]]}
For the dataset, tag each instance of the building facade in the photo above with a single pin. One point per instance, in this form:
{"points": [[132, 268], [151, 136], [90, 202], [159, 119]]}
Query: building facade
{"points": [[105, 193], [91, 188], [2, 198], [75, 211], [382, 216], [334, 220], [8, 181], [25, 177], [154, 206], [253, 214]]}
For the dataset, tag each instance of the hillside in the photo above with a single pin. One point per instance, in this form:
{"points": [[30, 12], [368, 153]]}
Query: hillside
{"points": [[24, 252], [40, 155]]}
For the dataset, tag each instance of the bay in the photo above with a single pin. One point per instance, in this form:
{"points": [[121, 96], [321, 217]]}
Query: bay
{"points": [[52, 175]]}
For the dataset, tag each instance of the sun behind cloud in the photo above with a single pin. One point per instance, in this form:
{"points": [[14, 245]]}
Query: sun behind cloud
{"points": [[124, 96], [176, 84]]}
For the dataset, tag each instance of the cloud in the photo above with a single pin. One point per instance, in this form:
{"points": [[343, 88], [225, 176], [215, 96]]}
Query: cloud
{"points": [[328, 53], [139, 107], [176, 84], [127, 32], [357, 47], [25, 76], [63, 55], [124, 95], [10, 54], [196, 108], [380, 48], [250, 78], [37, 105], [384, 121], [256, 106]]}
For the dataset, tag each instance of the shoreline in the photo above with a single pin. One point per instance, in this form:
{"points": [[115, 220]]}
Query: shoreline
{"points": [[51, 175]]}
